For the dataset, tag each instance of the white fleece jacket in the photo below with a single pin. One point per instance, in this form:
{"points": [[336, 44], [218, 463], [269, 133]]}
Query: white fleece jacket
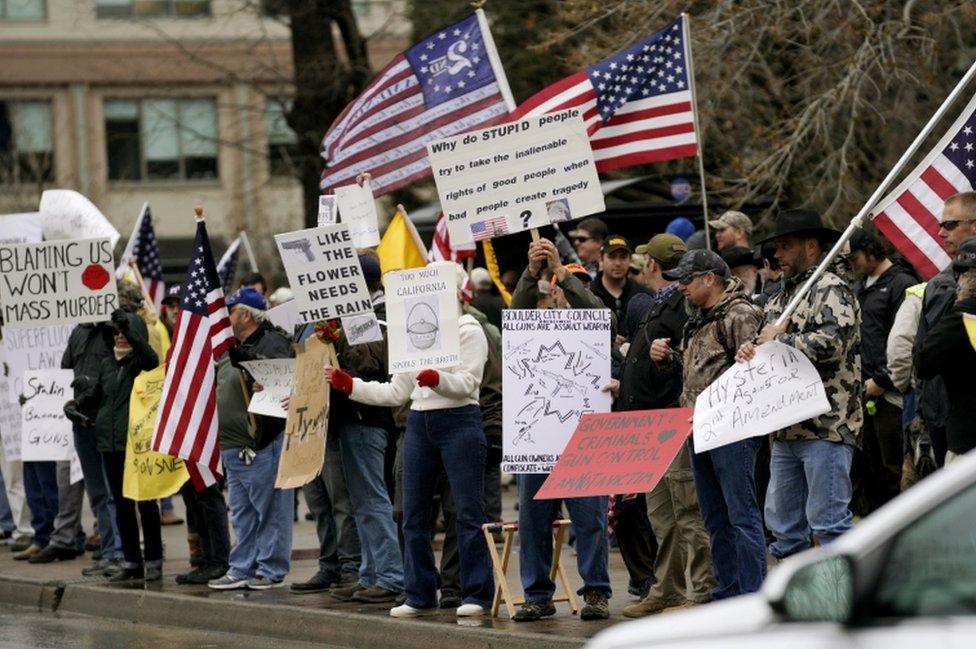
{"points": [[458, 386]]}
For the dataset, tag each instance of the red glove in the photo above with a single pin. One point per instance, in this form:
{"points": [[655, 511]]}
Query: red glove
{"points": [[328, 331], [428, 378], [341, 381]]}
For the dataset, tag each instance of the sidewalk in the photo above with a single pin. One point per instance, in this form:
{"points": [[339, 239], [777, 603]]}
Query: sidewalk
{"points": [[278, 613]]}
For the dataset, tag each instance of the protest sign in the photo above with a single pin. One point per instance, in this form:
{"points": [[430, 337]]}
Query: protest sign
{"points": [[308, 416], [275, 376], [618, 452], [969, 321], [45, 431], [31, 348], [324, 272], [361, 329], [9, 422], [327, 210], [422, 317], [357, 209], [20, 228], [66, 214], [148, 475], [779, 387], [555, 362], [63, 282], [285, 315], [516, 176]]}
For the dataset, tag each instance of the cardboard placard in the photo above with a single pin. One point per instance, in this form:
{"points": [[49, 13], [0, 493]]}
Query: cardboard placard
{"points": [[422, 317], [554, 363], [31, 348], [20, 228], [285, 315], [357, 209], [45, 431], [327, 210], [66, 214], [303, 453], [516, 176], [276, 376], [361, 329], [324, 273], [618, 452], [57, 282], [779, 387]]}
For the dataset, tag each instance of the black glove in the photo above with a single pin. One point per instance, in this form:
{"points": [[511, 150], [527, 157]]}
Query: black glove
{"points": [[121, 321], [239, 354], [76, 416], [21, 399], [83, 383]]}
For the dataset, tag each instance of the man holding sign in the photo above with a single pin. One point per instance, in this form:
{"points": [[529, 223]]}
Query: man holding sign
{"points": [[810, 482]]}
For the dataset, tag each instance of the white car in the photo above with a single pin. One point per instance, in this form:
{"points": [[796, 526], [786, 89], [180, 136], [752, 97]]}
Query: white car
{"points": [[904, 577]]}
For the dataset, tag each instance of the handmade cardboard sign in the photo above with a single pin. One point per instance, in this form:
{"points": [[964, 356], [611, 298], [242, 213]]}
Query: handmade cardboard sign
{"points": [[66, 214], [308, 416], [324, 273], [45, 431], [20, 228], [515, 176], [555, 362], [57, 282], [357, 209], [9, 422], [148, 475], [285, 315], [276, 376], [779, 387], [422, 317], [327, 210], [618, 452], [31, 348]]}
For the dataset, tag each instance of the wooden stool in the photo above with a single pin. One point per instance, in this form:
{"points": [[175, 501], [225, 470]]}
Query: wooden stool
{"points": [[503, 593]]}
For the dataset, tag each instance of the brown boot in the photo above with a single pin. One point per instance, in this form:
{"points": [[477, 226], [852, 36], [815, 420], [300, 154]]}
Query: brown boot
{"points": [[31, 550], [648, 606], [196, 550]]}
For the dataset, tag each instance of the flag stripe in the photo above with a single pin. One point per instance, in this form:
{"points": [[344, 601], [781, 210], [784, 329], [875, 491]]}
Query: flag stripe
{"points": [[661, 135], [574, 86], [919, 213], [620, 161], [905, 245]]}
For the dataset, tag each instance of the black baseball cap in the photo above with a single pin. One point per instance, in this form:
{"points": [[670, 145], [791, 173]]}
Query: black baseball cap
{"points": [[616, 242], [697, 262]]}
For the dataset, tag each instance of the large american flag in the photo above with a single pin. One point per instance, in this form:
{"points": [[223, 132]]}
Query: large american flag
{"points": [[909, 216], [144, 250], [638, 105], [187, 422], [448, 83]]}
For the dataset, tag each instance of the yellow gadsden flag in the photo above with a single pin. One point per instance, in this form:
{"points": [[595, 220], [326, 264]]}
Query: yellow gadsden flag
{"points": [[148, 475], [401, 246]]}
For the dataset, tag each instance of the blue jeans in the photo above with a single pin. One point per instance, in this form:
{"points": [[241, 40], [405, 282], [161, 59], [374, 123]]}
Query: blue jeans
{"points": [[809, 490], [99, 495], [726, 486], [41, 488], [261, 515], [328, 501], [363, 450], [451, 440], [589, 516]]}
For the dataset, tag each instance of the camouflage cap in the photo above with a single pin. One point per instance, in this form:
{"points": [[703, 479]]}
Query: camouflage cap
{"points": [[734, 219], [697, 262]]}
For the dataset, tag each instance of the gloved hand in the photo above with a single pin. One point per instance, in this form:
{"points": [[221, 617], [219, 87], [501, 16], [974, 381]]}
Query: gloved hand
{"points": [[428, 378], [328, 331], [21, 399], [339, 380], [83, 383], [76, 416], [239, 354], [121, 321]]}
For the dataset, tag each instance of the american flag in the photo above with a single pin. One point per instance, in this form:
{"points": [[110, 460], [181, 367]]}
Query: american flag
{"points": [[144, 249], [442, 250], [489, 228], [227, 265], [638, 105], [909, 216], [448, 83], [187, 422]]}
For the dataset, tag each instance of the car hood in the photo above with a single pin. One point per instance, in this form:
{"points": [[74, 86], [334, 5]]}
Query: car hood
{"points": [[744, 614]]}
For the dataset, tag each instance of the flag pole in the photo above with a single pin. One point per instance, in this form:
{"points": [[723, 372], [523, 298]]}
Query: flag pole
{"points": [[858, 220], [250, 252], [698, 133]]}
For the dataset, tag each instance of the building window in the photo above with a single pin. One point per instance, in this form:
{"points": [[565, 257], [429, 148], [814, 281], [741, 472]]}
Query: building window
{"points": [[26, 142], [22, 10], [152, 8], [161, 139], [282, 141]]}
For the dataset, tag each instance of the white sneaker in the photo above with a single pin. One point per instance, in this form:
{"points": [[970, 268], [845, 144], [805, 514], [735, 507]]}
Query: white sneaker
{"points": [[405, 610], [470, 610]]}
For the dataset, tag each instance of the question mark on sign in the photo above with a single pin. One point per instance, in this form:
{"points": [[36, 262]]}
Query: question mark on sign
{"points": [[525, 216]]}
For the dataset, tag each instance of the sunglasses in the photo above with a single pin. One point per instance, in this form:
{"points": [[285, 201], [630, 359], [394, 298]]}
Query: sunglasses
{"points": [[581, 239], [949, 226], [688, 279]]}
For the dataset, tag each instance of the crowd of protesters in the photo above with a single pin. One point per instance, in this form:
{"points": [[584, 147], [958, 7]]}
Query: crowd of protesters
{"points": [[891, 351]]}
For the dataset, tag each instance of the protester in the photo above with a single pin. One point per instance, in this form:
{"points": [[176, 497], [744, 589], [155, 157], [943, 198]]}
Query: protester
{"points": [[771, 275], [612, 285], [280, 295], [810, 483], [67, 538], [486, 299], [732, 230], [680, 227], [588, 238], [255, 281], [744, 266], [41, 488]]}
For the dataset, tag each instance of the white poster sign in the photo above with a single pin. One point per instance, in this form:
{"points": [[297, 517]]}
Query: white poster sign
{"points": [[32, 348], [361, 329], [327, 210], [555, 362], [324, 273], [422, 317], [285, 315], [45, 431], [516, 176], [779, 387], [20, 228], [276, 376], [9, 422], [66, 214], [57, 282], [357, 209]]}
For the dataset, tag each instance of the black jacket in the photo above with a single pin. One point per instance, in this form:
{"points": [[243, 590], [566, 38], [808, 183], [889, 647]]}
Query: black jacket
{"points": [[948, 353], [88, 346], [879, 304], [642, 384], [369, 362], [618, 306], [940, 294]]}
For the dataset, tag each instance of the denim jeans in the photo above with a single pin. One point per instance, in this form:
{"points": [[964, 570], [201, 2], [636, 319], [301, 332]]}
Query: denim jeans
{"points": [[328, 501], [41, 487], [809, 490], [363, 452], [452, 440], [726, 486], [589, 516], [261, 515], [99, 496]]}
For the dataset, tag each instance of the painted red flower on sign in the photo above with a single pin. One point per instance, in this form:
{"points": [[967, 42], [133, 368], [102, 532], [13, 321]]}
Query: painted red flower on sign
{"points": [[95, 277]]}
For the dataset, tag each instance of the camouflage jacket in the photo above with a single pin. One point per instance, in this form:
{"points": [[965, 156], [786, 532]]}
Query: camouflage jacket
{"points": [[826, 328], [712, 337]]}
